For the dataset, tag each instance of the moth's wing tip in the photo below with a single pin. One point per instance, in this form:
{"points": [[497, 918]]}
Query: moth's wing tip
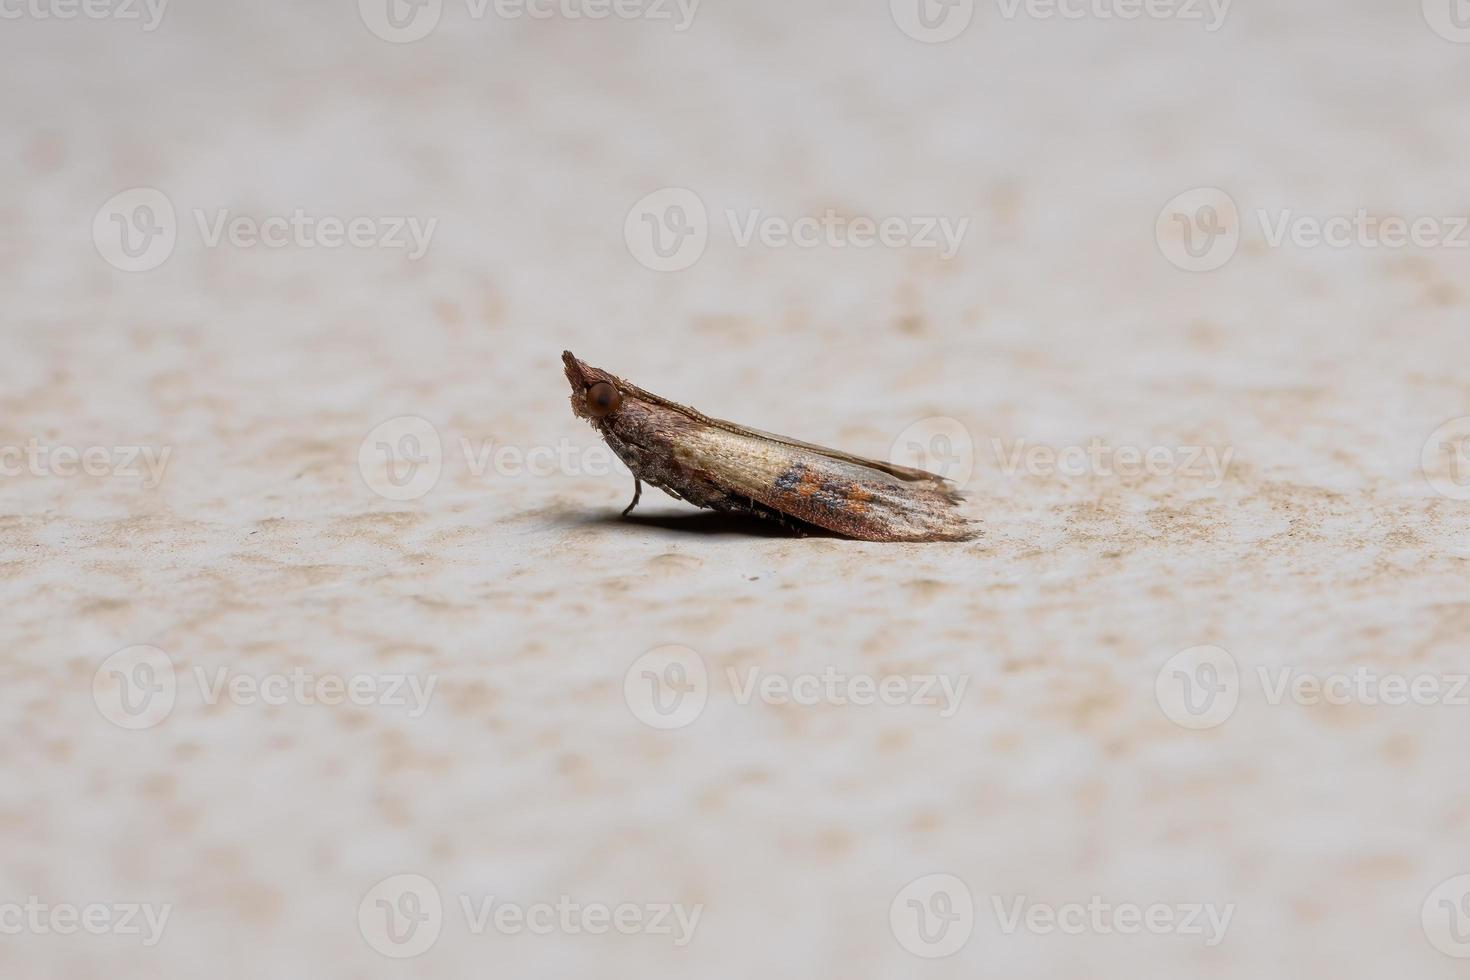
{"points": [[963, 526], [911, 474], [953, 530], [942, 485]]}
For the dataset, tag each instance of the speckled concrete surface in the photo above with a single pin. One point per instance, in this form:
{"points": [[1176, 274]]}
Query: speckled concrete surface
{"points": [[264, 383]]}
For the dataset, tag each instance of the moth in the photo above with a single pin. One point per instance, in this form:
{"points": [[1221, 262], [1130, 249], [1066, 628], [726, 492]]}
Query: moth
{"points": [[737, 470]]}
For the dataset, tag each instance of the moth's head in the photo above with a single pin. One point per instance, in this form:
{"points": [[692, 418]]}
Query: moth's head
{"points": [[596, 395]]}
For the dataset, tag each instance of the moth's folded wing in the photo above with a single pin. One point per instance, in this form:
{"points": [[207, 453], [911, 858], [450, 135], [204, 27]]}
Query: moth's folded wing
{"points": [[905, 473], [839, 493]]}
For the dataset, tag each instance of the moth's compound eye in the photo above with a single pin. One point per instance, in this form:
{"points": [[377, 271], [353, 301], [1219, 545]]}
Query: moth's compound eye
{"points": [[603, 399]]}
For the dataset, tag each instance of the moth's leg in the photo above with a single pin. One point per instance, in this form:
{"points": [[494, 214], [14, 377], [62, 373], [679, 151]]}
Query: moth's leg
{"points": [[668, 490], [637, 492], [779, 518], [754, 508]]}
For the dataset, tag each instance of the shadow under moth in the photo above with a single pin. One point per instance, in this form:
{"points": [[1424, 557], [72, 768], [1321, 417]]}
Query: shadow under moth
{"points": [[730, 468]]}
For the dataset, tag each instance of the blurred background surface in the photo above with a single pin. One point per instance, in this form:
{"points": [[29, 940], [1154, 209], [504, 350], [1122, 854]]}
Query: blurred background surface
{"points": [[285, 289]]}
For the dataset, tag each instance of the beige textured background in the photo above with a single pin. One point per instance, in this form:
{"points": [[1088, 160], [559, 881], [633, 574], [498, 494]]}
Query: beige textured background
{"points": [[263, 549]]}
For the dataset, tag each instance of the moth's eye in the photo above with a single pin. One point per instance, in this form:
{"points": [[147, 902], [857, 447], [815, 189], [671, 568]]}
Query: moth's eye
{"points": [[603, 399]]}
